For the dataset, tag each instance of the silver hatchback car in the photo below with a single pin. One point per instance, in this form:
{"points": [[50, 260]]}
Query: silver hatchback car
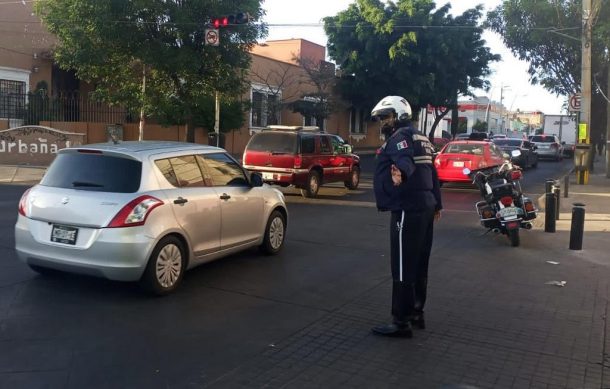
{"points": [[145, 211]]}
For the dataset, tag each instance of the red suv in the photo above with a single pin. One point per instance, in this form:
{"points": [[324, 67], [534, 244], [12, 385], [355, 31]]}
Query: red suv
{"points": [[302, 156]]}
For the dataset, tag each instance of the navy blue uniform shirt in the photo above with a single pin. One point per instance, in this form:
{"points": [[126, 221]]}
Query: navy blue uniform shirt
{"points": [[412, 153]]}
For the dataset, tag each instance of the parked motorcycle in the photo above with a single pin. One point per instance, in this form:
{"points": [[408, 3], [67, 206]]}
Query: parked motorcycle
{"points": [[505, 209]]}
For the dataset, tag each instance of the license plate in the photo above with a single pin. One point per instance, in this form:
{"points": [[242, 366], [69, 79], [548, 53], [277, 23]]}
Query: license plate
{"points": [[267, 176], [458, 164], [64, 234], [510, 212]]}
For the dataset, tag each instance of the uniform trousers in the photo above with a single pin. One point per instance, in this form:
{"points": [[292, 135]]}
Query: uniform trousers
{"points": [[411, 242]]}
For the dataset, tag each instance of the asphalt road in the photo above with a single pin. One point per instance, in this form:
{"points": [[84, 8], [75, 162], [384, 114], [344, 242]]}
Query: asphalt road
{"points": [[72, 331]]}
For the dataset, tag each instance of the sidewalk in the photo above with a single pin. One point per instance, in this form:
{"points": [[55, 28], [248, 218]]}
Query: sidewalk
{"points": [[595, 195], [21, 174], [533, 316]]}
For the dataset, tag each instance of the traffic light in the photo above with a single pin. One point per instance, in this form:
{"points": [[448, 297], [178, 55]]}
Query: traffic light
{"points": [[230, 20]]}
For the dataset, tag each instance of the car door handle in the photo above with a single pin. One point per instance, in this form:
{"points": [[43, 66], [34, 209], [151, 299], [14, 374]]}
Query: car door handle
{"points": [[225, 196], [180, 200]]}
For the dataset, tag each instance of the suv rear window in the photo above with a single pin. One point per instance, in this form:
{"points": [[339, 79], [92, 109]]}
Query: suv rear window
{"points": [[543, 139], [273, 142], [94, 172]]}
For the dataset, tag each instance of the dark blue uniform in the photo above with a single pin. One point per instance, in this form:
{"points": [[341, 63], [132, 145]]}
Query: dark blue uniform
{"points": [[412, 204]]}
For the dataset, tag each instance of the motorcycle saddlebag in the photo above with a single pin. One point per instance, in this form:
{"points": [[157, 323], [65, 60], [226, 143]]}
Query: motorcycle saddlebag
{"points": [[529, 210]]}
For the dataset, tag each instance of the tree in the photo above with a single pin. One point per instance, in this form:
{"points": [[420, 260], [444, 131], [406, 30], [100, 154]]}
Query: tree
{"points": [[112, 44], [320, 78], [547, 34], [408, 48], [280, 81], [479, 126]]}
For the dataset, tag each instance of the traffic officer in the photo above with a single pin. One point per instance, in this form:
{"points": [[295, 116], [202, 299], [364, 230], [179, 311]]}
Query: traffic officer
{"points": [[406, 184]]}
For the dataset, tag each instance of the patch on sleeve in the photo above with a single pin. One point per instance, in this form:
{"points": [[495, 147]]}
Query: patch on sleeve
{"points": [[402, 145]]}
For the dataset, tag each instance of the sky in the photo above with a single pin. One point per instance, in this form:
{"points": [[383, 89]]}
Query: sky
{"points": [[509, 75]]}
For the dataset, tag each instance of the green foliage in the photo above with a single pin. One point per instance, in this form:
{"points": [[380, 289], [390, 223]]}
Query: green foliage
{"points": [[113, 43], [479, 126], [539, 32], [407, 48], [547, 34]]}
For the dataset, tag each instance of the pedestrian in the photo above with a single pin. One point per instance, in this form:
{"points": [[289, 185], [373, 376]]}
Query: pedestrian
{"points": [[406, 184], [601, 143]]}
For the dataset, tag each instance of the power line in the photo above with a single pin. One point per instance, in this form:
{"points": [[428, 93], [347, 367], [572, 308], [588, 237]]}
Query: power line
{"points": [[311, 25], [15, 51]]}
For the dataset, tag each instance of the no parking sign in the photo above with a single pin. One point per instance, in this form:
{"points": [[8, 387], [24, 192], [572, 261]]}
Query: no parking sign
{"points": [[211, 37]]}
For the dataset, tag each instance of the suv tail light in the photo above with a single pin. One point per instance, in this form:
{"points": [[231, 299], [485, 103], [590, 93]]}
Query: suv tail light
{"points": [[554, 146], [298, 160], [23, 202], [135, 212]]}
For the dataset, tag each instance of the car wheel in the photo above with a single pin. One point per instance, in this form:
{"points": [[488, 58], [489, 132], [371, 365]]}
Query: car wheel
{"points": [[354, 180], [313, 185], [275, 233], [165, 267]]}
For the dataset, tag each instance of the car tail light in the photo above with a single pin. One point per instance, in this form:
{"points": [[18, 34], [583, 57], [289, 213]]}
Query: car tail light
{"points": [[298, 160], [506, 201], [437, 162], [135, 213], [23, 202], [515, 175]]}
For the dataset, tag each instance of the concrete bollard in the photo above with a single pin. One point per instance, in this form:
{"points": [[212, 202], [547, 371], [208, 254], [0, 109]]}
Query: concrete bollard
{"points": [[550, 207], [577, 227]]}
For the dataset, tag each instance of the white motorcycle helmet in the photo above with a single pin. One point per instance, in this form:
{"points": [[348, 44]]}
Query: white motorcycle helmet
{"points": [[393, 112]]}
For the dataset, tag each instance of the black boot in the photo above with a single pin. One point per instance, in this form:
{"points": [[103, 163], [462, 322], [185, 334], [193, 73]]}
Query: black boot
{"points": [[397, 330], [419, 321]]}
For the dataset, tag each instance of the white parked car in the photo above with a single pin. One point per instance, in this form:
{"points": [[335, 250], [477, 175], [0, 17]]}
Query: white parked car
{"points": [[145, 211]]}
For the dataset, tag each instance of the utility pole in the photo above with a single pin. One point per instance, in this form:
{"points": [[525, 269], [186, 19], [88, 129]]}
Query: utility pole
{"points": [[217, 117], [584, 137], [605, 147]]}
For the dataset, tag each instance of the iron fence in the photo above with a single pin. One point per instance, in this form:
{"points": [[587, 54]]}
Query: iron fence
{"points": [[33, 108]]}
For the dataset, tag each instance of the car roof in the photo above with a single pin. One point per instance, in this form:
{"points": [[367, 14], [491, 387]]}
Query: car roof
{"points": [[473, 142], [144, 148]]}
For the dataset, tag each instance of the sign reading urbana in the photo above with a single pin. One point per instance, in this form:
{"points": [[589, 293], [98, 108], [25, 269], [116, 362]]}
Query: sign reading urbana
{"points": [[34, 145]]}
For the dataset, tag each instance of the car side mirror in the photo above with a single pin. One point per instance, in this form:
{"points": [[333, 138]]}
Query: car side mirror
{"points": [[256, 179]]}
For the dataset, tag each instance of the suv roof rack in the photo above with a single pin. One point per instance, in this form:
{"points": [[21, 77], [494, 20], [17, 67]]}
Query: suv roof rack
{"points": [[295, 128]]}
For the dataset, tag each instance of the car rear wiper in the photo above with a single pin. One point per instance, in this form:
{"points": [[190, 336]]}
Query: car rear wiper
{"points": [[89, 184], [278, 152]]}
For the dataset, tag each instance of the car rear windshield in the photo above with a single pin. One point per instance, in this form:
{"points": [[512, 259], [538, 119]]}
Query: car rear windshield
{"points": [[543, 139], [464, 148], [94, 172], [278, 142], [508, 142]]}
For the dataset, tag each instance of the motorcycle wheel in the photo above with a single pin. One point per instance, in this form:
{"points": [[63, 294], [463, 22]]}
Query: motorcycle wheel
{"points": [[513, 236]]}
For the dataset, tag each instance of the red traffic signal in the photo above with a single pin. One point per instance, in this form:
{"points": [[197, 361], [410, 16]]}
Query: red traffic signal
{"points": [[220, 22], [229, 20]]}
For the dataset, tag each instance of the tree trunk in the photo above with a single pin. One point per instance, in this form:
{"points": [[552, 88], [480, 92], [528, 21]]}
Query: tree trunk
{"points": [[437, 119]]}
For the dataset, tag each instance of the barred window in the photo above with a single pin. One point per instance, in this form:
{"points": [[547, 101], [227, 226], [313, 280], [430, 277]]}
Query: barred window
{"points": [[265, 109], [12, 99], [357, 122]]}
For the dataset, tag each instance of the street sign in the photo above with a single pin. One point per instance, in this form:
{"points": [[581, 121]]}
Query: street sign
{"points": [[574, 103], [211, 37]]}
